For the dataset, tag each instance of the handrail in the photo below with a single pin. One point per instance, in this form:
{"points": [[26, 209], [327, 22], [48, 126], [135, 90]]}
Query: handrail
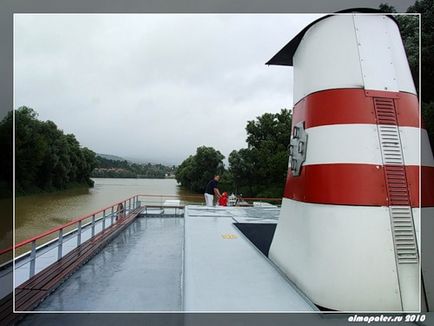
{"points": [[63, 226], [128, 204], [261, 198], [172, 196], [201, 196], [83, 217]]}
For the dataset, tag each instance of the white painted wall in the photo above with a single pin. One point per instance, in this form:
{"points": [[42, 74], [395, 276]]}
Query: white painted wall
{"points": [[341, 257], [347, 51]]}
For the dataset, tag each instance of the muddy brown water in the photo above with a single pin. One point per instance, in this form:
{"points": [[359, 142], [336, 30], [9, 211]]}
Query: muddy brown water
{"points": [[35, 214]]}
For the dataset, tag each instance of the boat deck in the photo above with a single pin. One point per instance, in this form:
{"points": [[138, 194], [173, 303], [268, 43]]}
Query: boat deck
{"points": [[225, 272], [141, 269], [199, 262]]}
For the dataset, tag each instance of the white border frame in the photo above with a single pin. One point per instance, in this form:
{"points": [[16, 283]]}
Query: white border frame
{"points": [[216, 312]]}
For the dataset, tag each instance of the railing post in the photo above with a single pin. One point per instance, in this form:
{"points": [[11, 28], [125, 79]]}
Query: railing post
{"points": [[60, 244], [125, 208], [32, 259], [93, 225], [79, 234], [103, 220], [129, 204], [112, 216]]}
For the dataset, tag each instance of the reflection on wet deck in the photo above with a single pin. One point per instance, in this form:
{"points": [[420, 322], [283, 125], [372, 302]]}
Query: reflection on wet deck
{"points": [[140, 270]]}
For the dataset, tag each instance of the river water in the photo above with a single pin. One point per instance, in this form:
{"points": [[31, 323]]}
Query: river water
{"points": [[38, 213]]}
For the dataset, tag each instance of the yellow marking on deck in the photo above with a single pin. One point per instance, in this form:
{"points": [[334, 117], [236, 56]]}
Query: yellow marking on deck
{"points": [[229, 236]]}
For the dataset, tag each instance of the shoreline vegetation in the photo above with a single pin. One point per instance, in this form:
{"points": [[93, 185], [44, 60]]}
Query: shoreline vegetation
{"points": [[110, 168], [68, 187], [47, 159], [256, 171], [51, 161]]}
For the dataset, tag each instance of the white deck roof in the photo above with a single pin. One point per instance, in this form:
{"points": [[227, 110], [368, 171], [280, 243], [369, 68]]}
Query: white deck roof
{"points": [[224, 271]]}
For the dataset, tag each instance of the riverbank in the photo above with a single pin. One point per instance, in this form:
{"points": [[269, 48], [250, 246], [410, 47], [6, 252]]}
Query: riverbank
{"points": [[36, 190]]}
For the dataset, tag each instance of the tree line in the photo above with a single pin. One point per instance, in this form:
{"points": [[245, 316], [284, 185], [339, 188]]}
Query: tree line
{"points": [[46, 158], [107, 168], [260, 169]]}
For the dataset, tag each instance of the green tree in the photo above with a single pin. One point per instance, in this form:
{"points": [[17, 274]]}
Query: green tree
{"points": [[195, 171], [261, 168], [6, 145], [107, 168], [30, 148], [425, 8], [242, 170], [45, 158], [88, 165]]}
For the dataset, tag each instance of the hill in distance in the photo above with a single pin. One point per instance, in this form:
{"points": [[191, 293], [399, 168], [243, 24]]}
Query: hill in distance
{"points": [[112, 166], [111, 157]]}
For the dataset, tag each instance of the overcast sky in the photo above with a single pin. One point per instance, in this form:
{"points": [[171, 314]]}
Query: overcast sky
{"points": [[153, 87]]}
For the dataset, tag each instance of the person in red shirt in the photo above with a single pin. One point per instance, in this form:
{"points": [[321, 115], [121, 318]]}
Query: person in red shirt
{"points": [[223, 200]]}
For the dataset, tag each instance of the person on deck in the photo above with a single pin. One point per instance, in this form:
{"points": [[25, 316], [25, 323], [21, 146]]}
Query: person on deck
{"points": [[211, 190], [119, 211], [223, 201]]}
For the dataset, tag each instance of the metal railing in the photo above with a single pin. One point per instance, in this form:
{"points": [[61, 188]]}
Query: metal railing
{"points": [[200, 198], [75, 227], [158, 199]]}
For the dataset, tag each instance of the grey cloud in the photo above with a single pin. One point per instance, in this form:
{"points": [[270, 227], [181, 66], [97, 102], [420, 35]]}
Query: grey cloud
{"points": [[153, 87]]}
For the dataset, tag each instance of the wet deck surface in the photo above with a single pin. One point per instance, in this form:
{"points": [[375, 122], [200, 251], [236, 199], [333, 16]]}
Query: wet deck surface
{"points": [[48, 255], [140, 270], [200, 262], [224, 271]]}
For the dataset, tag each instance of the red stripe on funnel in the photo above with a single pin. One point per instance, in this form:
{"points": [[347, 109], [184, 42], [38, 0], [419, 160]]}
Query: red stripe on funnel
{"points": [[355, 184], [427, 185], [348, 106]]}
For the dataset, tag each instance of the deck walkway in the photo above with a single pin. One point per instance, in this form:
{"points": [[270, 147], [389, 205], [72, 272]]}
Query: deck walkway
{"points": [[225, 272], [29, 294], [199, 262], [140, 270]]}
